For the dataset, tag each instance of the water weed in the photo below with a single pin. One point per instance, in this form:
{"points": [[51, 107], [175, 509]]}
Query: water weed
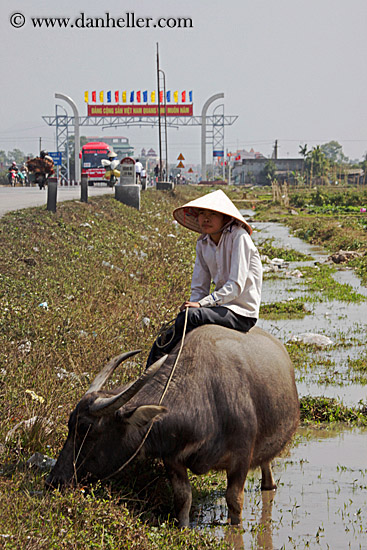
{"points": [[290, 309], [326, 410]]}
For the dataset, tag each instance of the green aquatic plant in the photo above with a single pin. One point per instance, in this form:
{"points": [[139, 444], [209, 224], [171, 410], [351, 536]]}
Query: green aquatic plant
{"points": [[289, 309], [358, 369], [288, 254], [327, 409], [321, 285]]}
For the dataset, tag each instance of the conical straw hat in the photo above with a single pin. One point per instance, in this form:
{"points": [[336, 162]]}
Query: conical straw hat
{"points": [[218, 201]]}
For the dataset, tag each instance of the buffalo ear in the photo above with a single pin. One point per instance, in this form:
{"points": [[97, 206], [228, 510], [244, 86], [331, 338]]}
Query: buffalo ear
{"points": [[141, 416]]}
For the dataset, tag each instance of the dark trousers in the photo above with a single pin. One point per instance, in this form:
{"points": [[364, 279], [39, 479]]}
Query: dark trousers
{"points": [[196, 317]]}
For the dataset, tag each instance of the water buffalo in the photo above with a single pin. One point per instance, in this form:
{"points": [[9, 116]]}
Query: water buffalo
{"points": [[231, 405]]}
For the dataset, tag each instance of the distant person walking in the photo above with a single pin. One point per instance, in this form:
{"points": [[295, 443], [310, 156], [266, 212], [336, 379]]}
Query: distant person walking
{"points": [[143, 178], [156, 173], [138, 169]]}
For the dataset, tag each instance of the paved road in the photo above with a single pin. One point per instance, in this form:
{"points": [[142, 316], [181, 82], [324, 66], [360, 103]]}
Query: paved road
{"points": [[16, 198]]}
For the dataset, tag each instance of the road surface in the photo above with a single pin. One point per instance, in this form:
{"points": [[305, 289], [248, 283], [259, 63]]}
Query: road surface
{"points": [[16, 198]]}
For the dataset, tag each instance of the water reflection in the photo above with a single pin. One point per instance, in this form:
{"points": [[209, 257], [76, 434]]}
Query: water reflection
{"points": [[321, 497], [264, 535], [264, 538]]}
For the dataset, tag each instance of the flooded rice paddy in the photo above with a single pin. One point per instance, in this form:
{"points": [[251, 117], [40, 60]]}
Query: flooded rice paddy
{"points": [[321, 499]]}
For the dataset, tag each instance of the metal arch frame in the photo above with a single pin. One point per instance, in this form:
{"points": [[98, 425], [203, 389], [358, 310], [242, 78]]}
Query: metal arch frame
{"points": [[218, 128], [109, 122], [62, 145], [218, 134], [205, 108], [216, 121], [76, 117]]}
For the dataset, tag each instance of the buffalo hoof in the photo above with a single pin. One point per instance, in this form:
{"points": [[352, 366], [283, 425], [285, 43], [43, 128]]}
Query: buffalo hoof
{"points": [[235, 520], [268, 487]]}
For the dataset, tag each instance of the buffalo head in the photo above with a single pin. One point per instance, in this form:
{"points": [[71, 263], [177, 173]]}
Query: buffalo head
{"points": [[103, 432]]}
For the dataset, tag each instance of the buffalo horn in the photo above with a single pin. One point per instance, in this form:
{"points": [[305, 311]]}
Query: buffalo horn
{"points": [[105, 374], [108, 405]]}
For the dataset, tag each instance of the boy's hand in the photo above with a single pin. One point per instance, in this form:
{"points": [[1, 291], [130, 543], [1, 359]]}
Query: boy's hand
{"points": [[189, 304]]}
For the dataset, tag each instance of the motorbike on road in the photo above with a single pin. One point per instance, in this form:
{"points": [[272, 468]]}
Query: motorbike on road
{"points": [[41, 168], [110, 166], [14, 177]]}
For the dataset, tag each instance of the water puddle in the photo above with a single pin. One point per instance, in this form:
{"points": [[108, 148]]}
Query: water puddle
{"points": [[283, 238], [320, 502], [346, 276]]}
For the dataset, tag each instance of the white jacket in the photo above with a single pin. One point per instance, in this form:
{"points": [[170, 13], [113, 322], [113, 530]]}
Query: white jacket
{"points": [[234, 266]]}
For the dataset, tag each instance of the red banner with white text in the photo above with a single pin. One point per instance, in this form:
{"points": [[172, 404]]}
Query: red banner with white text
{"points": [[139, 110]]}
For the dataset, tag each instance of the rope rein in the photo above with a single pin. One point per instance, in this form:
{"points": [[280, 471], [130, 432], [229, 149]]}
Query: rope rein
{"points": [[160, 402], [162, 334], [177, 358]]}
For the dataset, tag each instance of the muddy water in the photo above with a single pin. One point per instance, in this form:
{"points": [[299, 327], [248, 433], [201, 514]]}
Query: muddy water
{"points": [[321, 500], [345, 323]]}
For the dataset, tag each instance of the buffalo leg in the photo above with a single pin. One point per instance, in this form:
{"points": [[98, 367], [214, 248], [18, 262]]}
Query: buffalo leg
{"points": [[177, 474], [267, 480], [234, 494]]}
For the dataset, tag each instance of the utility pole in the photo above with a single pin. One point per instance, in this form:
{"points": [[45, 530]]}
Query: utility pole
{"points": [[276, 149], [40, 146], [159, 119]]}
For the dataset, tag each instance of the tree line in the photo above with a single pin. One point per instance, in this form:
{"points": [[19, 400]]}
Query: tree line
{"points": [[16, 155], [323, 164]]}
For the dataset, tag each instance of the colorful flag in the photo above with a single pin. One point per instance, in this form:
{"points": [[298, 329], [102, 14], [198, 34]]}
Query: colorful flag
{"points": [[183, 97], [117, 96], [108, 97], [86, 97], [190, 97], [131, 97], [101, 97], [175, 96], [152, 97], [160, 97], [124, 97], [138, 96], [169, 97], [94, 97], [145, 96]]}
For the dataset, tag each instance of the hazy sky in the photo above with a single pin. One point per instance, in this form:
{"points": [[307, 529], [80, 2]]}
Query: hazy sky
{"points": [[291, 70]]}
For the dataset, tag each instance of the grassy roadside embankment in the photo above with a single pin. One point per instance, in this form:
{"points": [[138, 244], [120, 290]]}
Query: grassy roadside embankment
{"points": [[78, 287]]}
